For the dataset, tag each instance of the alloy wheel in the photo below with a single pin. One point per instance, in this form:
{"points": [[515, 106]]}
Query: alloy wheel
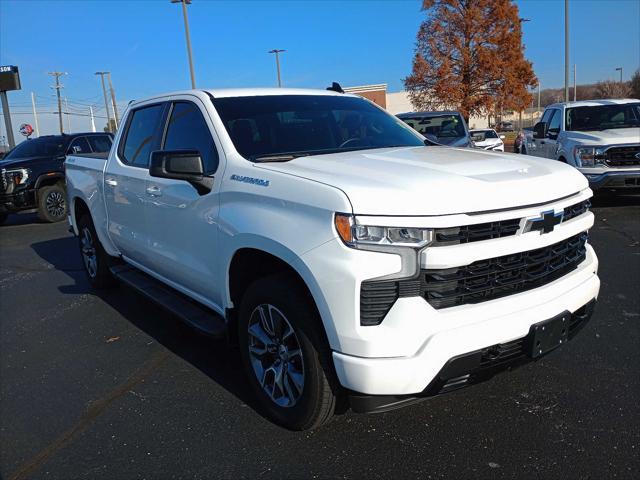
{"points": [[55, 204], [89, 255], [276, 356]]}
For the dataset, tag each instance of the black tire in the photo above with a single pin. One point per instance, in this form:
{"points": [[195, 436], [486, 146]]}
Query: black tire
{"points": [[3, 217], [318, 396], [52, 203], [95, 260]]}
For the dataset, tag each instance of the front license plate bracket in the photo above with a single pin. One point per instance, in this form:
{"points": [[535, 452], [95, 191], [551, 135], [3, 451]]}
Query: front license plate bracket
{"points": [[548, 335]]}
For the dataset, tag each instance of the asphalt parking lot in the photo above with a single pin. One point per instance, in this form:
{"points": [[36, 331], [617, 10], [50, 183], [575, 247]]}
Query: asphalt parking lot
{"points": [[107, 385]]}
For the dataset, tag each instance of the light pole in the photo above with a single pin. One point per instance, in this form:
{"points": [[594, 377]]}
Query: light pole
{"points": [[566, 50], [277, 52], [188, 36], [620, 68], [113, 100], [106, 102]]}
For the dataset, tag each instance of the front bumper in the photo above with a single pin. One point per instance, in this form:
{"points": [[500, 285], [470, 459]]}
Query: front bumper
{"points": [[460, 330], [624, 180], [15, 202], [468, 369]]}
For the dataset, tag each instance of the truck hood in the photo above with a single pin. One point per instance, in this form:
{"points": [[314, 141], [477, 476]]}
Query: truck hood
{"points": [[606, 137], [25, 162], [436, 180]]}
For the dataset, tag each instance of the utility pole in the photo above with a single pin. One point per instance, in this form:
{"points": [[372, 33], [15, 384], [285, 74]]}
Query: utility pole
{"points": [[538, 97], [566, 50], [113, 100], [7, 119], [57, 86], [188, 36], [93, 123], [620, 68], [106, 102], [575, 86], [66, 107], [35, 114], [278, 52]]}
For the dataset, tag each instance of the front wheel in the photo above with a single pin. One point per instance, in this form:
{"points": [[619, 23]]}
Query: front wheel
{"points": [[52, 204], [95, 259], [285, 354]]}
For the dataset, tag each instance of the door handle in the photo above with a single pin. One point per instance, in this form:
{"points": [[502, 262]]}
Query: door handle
{"points": [[111, 182], [154, 191]]}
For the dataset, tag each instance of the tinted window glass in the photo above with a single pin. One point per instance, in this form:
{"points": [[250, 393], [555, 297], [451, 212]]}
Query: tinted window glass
{"points": [[142, 127], [187, 130], [440, 126], [305, 124], [547, 115], [100, 143], [43, 146], [79, 145], [603, 117], [554, 124]]}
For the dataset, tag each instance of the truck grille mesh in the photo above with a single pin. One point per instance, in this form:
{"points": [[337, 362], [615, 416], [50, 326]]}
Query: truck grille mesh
{"points": [[622, 156], [478, 282]]}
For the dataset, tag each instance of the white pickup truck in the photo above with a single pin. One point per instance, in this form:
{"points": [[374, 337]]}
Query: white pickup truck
{"points": [[352, 264], [601, 138]]}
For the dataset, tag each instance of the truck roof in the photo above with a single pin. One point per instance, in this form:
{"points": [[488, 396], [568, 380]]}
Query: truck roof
{"points": [[595, 103], [249, 92]]}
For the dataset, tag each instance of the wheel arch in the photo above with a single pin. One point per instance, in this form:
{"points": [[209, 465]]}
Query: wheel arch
{"points": [[47, 179]]}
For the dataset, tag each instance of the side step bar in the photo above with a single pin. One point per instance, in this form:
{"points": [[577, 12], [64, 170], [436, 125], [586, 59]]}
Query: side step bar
{"points": [[198, 316]]}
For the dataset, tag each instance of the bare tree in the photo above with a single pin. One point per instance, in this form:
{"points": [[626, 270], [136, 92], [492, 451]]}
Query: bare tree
{"points": [[611, 89]]}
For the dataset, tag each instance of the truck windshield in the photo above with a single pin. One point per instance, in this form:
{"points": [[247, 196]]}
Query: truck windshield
{"points": [[281, 127], [38, 147], [603, 117], [441, 126]]}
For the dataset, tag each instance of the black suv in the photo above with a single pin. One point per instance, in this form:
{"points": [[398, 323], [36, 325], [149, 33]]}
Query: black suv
{"points": [[32, 174]]}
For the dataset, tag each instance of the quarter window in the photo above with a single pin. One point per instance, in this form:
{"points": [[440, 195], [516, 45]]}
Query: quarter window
{"points": [[100, 143], [140, 135], [187, 130], [79, 145]]}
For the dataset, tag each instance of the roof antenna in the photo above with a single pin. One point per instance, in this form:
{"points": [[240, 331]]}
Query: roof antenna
{"points": [[335, 86]]}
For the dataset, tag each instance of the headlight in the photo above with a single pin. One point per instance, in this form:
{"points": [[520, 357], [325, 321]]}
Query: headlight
{"points": [[375, 237], [589, 156], [17, 176]]}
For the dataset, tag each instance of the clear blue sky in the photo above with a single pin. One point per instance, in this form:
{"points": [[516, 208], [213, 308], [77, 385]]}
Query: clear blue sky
{"points": [[353, 42]]}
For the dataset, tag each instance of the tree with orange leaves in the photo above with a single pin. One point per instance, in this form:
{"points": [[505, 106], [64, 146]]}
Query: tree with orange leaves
{"points": [[469, 56]]}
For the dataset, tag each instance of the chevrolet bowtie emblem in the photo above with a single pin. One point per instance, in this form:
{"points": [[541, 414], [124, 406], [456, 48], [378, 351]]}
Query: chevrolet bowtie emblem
{"points": [[546, 222]]}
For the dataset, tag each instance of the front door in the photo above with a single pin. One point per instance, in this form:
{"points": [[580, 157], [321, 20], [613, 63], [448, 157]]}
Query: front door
{"points": [[125, 182], [541, 143], [553, 131], [183, 224]]}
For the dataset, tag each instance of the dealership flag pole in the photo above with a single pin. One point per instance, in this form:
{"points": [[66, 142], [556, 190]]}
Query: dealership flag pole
{"points": [[35, 114]]}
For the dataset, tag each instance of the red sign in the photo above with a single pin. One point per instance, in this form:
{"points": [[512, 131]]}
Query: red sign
{"points": [[26, 129]]}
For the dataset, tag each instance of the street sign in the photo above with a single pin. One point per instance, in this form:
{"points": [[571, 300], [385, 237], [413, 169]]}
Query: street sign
{"points": [[9, 78], [26, 130]]}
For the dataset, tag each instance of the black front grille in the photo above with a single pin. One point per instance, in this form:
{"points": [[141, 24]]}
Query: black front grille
{"points": [[477, 232], [500, 276], [576, 210], [623, 156]]}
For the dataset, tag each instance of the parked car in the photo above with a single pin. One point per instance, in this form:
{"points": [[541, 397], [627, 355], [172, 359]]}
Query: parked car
{"points": [[505, 127], [349, 261], [601, 138], [32, 174], [445, 128], [487, 139]]}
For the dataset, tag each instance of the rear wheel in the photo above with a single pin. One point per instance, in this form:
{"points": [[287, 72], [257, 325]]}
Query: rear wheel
{"points": [[285, 354], [52, 203], [95, 259]]}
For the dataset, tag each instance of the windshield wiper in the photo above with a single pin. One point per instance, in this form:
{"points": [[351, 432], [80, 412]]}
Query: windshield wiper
{"points": [[277, 158]]}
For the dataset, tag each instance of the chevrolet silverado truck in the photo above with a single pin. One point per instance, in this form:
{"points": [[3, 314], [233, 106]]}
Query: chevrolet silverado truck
{"points": [[601, 138], [32, 174], [352, 265]]}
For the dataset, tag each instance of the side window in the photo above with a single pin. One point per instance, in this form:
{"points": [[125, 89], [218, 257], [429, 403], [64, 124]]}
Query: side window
{"points": [[79, 145], [547, 115], [136, 147], [554, 123], [187, 130], [100, 143]]}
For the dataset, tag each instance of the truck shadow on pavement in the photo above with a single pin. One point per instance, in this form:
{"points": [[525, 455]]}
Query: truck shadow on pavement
{"points": [[215, 358]]}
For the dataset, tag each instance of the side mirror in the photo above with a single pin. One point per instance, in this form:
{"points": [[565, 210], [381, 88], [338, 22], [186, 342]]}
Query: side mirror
{"points": [[502, 137], [184, 165], [540, 130]]}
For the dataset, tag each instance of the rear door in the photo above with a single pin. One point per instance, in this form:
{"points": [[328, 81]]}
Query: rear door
{"points": [[125, 181], [183, 224]]}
